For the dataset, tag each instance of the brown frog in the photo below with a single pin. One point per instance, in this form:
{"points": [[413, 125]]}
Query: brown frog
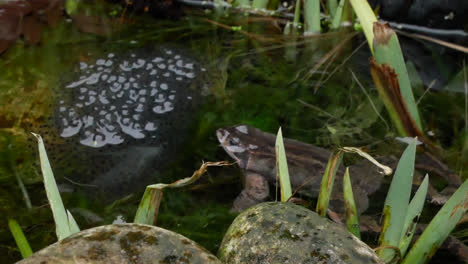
{"points": [[254, 151]]}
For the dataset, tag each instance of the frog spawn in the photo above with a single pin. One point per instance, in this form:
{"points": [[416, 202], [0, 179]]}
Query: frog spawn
{"points": [[119, 98], [120, 119]]}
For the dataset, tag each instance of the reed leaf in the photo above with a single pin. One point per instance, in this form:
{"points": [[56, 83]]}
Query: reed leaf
{"points": [[20, 238], [326, 186], [366, 17], [386, 82], [282, 167], [332, 7], [297, 13], [312, 17], [414, 210], [396, 203], [440, 227], [387, 51], [338, 14], [352, 221], [65, 224], [147, 212]]}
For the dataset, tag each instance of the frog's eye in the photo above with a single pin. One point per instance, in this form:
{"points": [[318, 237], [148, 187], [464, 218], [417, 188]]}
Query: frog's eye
{"points": [[234, 141]]}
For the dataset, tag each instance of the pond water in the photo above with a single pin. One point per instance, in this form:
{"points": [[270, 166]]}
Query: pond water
{"points": [[142, 106]]}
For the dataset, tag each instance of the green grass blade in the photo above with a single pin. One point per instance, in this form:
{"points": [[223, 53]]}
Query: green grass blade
{"points": [[338, 15], [64, 226], [20, 238], [326, 186], [414, 210], [282, 167], [396, 203], [366, 17], [352, 221], [440, 227]]}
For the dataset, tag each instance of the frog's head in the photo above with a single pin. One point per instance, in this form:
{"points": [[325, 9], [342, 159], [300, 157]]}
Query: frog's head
{"points": [[235, 141]]}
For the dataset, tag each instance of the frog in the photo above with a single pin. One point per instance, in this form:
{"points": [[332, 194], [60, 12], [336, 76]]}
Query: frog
{"points": [[254, 152]]}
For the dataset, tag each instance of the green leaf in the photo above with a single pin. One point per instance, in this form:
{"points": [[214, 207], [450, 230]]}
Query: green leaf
{"points": [[414, 210], [440, 227], [352, 221], [65, 225], [396, 203], [149, 206], [147, 212], [387, 51], [338, 15], [72, 223], [332, 7], [326, 186], [297, 13], [282, 167], [366, 17], [312, 17], [20, 238]]}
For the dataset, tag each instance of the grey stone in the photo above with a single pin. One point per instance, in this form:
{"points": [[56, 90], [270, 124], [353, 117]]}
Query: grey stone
{"points": [[124, 243], [286, 233]]}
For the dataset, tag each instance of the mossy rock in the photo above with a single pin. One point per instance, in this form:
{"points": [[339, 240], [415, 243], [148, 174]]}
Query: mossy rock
{"points": [[286, 233], [124, 243]]}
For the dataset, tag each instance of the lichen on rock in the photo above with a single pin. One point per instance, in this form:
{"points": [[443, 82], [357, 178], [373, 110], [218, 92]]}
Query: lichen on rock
{"points": [[124, 243], [286, 233]]}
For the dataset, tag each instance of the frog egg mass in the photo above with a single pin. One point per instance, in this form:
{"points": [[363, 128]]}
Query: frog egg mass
{"points": [[124, 116], [117, 98]]}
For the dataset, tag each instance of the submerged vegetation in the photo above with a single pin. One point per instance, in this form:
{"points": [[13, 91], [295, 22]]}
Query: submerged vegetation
{"points": [[295, 70]]}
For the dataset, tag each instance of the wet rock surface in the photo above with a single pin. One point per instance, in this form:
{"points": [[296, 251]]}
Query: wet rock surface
{"points": [[126, 243], [286, 233]]}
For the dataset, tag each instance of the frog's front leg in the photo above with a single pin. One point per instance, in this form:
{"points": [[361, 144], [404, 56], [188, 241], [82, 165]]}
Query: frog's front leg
{"points": [[256, 191]]}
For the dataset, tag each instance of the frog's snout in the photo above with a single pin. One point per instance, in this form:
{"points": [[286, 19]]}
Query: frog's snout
{"points": [[222, 134]]}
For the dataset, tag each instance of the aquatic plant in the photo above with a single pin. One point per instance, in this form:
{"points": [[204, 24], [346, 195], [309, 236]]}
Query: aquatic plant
{"points": [[20, 238], [400, 215], [389, 72], [282, 168], [328, 180], [65, 224], [148, 209], [64, 221]]}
